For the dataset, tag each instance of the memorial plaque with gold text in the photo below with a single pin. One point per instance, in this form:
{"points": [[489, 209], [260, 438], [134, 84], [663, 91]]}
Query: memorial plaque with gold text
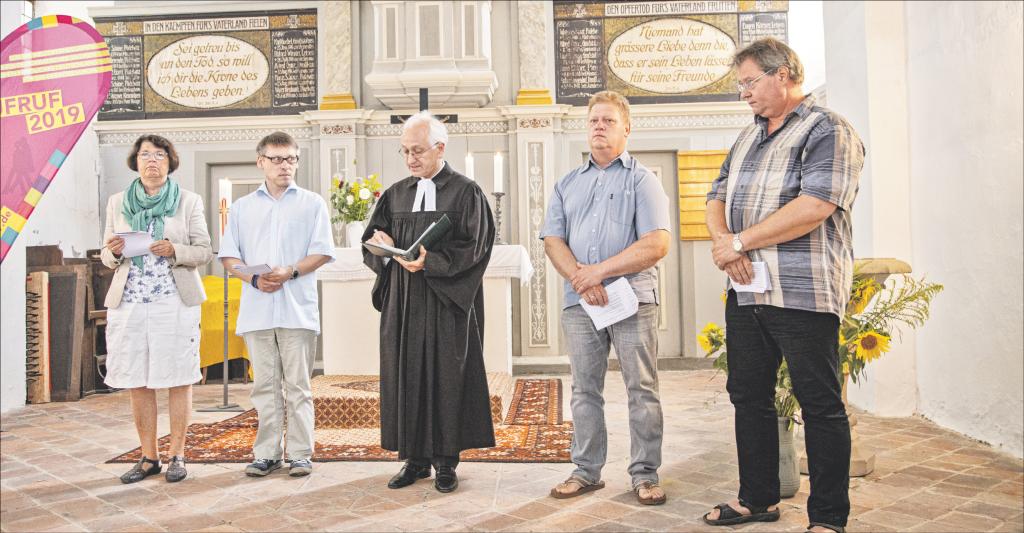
{"points": [[219, 64], [657, 52]]}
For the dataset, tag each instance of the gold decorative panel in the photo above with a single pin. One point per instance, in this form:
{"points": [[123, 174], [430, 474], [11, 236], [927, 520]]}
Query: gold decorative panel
{"points": [[696, 172]]}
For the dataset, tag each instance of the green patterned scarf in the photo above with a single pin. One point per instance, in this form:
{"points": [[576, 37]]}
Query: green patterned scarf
{"points": [[142, 209]]}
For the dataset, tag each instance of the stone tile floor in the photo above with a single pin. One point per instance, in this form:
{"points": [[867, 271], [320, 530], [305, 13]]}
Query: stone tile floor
{"points": [[53, 478]]}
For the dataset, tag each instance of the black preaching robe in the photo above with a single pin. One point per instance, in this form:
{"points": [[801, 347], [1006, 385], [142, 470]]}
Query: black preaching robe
{"points": [[433, 388]]}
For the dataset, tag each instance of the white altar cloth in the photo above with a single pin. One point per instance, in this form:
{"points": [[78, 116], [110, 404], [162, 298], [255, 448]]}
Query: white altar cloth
{"points": [[350, 325]]}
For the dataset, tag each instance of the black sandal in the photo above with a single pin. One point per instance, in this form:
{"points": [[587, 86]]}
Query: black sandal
{"points": [[728, 516], [138, 472], [837, 529], [176, 469]]}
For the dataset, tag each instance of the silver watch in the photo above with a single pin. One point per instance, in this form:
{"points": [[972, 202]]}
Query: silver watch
{"points": [[737, 244]]}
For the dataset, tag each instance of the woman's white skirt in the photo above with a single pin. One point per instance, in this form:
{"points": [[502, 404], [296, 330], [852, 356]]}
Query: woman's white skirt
{"points": [[153, 345]]}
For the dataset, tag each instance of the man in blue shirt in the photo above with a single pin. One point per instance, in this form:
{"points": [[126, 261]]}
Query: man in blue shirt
{"points": [[287, 228], [610, 219]]}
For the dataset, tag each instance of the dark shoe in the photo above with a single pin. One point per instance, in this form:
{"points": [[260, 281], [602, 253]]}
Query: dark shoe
{"points": [[408, 475], [301, 467], [262, 467], [176, 469], [446, 480], [837, 529], [140, 472], [728, 516]]}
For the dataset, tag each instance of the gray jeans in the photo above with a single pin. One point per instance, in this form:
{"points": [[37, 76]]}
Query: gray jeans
{"points": [[636, 345], [282, 364]]}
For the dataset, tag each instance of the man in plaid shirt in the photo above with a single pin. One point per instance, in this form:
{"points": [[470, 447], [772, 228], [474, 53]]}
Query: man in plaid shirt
{"points": [[783, 198]]}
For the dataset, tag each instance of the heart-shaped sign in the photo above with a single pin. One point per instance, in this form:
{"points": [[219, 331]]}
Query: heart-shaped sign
{"points": [[54, 76]]}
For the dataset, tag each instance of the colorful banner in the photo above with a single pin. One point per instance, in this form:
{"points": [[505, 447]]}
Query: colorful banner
{"points": [[54, 76]]}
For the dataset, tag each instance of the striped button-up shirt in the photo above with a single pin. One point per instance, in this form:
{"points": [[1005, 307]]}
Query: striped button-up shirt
{"points": [[815, 153]]}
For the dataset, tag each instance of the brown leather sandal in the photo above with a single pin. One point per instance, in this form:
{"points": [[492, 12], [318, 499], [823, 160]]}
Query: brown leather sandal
{"points": [[650, 500], [584, 488]]}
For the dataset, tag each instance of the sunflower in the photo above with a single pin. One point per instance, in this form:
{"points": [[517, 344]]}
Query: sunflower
{"points": [[861, 297], [871, 345], [711, 327], [705, 342]]}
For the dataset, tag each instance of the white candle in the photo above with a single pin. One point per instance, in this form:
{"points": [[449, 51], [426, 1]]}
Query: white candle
{"points": [[469, 166], [499, 173]]}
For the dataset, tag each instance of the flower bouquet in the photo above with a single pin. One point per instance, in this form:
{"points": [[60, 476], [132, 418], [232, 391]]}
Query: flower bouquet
{"points": [[353, 201], [867, 328]]}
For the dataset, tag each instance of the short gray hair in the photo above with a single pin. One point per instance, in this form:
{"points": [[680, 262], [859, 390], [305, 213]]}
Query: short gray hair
{"points": [[438, 132], [771, 54]]}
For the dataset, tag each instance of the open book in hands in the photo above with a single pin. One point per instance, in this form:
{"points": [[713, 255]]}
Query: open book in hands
{"points": [[431, 236]]}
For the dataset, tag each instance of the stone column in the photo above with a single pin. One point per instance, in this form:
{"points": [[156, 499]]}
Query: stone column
{"points": [[534, 36], [337, 23], [533, 136]]}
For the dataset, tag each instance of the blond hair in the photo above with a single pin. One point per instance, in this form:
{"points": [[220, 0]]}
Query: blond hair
{"points": [[613, 98]]}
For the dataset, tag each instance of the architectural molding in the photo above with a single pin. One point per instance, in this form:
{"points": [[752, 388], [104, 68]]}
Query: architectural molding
{"points": [[534, 122], [149, 9], [673, 122], [537, 204], [394, 130], [534, 97], [337, 129], [213, 130]]}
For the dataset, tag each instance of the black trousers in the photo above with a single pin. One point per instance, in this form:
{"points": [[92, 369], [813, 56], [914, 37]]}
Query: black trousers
{"points": [[437, 461], [758, 338]]}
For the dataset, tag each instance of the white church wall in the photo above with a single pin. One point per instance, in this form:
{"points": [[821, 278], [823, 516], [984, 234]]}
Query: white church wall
{"points": [[965, 83], [867, 69]]}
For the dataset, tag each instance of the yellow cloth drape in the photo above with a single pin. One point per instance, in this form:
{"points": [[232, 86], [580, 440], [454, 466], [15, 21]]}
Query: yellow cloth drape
{"points": [[211, 343]]}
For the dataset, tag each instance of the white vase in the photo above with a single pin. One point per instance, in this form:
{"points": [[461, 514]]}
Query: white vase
{"points": [[789, 467], [354, 234]]}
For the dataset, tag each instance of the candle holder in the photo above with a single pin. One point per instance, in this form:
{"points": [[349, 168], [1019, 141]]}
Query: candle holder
{"points": [[497, 218]]}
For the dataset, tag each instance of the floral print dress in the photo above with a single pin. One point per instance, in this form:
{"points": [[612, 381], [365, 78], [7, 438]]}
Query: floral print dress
{"points": [[151, 283]]}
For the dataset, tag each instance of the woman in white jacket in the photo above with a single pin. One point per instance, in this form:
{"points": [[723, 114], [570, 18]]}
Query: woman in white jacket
{"points": [[153, 305]]}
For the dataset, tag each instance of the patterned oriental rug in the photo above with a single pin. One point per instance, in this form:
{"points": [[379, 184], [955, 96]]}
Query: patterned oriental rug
{"points": [[347, 426]]}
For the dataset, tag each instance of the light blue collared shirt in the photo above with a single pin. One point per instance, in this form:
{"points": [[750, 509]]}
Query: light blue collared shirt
{"points": [[601, 212], [262, 230]]}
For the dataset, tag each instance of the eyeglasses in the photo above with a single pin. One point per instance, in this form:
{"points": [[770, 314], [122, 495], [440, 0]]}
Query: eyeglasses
{"points": [[278, 159], [745, 86], [416, 152], [159, 156]]}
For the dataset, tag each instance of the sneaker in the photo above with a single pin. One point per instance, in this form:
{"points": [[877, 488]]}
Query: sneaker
{"points": [[262, 467], [301, 467]]}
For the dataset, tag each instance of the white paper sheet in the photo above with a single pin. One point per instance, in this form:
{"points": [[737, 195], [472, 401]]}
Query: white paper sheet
{"points": [[761, 282], [136, 243], [252, 269], [622, 304]]}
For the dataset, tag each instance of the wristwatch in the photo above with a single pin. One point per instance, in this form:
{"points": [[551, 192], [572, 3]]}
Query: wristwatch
{"points": [[737, 244], [295, 273]]}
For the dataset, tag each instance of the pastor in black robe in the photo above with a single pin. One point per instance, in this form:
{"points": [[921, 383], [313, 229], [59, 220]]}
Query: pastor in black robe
{"points": [[433, 388]]}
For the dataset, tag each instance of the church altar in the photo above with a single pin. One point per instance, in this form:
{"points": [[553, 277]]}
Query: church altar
{"points": [[350, 325]]}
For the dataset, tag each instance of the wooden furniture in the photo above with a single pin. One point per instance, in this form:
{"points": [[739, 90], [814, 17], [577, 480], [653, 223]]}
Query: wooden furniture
{"points": [[37, 337]]}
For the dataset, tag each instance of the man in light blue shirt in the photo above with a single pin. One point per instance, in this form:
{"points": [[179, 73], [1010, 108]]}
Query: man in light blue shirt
{"points": [[610, 219], [287, 228]]}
